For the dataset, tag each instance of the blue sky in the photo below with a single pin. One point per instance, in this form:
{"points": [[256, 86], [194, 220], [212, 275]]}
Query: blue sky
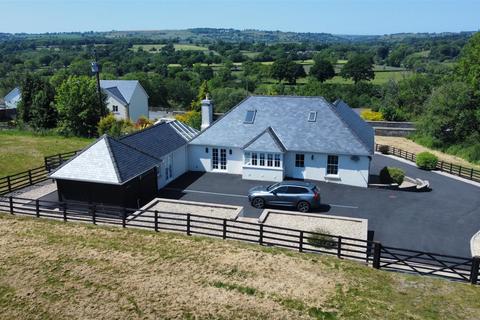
{"points": [[331, 16]]}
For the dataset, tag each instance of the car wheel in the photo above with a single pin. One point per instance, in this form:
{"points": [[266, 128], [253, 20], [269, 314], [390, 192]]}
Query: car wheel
{"points": [[258, 203], [303, 206]]}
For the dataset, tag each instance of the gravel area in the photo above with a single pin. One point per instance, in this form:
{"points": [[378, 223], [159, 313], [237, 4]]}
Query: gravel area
{"points": [[37, 190]]}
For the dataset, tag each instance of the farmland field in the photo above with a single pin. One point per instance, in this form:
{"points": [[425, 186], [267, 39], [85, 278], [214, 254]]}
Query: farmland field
{"points": [[56, 270], [21, 150], [148, 47]]}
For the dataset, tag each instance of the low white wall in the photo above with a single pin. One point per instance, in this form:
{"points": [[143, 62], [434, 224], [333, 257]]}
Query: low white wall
{"points": [[350, 172], [262, 174]]}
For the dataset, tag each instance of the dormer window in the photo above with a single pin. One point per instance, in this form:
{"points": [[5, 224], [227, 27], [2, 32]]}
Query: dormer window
{"points": [[312, 116], [250, 116]]}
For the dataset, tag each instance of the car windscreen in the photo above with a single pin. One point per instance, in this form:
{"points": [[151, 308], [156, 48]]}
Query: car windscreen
{"points": [[272, 186]]}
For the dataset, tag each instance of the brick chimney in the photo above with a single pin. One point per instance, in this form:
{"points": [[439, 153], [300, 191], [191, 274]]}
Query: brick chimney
{"points": [[207, 113]]}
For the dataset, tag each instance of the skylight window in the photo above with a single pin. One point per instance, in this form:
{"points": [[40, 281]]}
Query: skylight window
{"points": [[312, 116], [250, 116]]}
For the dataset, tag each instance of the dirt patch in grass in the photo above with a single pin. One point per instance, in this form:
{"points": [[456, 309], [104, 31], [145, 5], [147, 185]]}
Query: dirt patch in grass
{"points": [[411, 146], [54, 270]]}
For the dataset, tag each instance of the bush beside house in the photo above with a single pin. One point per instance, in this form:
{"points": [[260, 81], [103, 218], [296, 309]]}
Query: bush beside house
{"points": [[426, 160], [392, 175]]}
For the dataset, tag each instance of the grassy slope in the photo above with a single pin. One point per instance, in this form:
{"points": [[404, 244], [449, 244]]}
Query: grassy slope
{"points": [[411, 146], [52, 270], [21, 151]]}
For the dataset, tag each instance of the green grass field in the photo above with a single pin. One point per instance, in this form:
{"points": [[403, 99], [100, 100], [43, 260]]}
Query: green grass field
{"points": [[56, 270], [177, 46], [22, 150]]}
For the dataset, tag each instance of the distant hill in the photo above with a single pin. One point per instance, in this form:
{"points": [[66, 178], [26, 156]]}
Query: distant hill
{"points": [[205, 35]]}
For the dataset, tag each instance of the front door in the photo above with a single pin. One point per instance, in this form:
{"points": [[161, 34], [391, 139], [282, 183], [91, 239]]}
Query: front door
{"points": [[219, 159], [168, 167]]}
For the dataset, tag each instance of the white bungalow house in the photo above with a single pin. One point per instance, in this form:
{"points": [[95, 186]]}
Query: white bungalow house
{"points": [[270, 138], [126, 99]]}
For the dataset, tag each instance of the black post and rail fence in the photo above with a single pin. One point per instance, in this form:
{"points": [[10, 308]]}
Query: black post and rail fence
{"points": [[33, 176], [371, 253], [468, 173]]}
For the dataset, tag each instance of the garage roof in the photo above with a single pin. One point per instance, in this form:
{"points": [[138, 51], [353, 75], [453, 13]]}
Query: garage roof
{"points": [[108, 161], [333, 131]]}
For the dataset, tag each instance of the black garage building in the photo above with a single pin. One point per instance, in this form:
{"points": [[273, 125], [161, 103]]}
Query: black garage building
{"points": [[109, 172]]}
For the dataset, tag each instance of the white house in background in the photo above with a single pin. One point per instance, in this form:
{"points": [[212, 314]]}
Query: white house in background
{"points": [[126, 99], [13, 98], [270, 138]]}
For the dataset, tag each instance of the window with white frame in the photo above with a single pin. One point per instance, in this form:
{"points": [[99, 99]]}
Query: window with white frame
{"points": [[277, 161], [254, 159], [332, 164], [262, 159], [299, 160]]}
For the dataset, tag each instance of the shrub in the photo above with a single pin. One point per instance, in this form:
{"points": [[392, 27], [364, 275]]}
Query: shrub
{"points": [[322, 239], [383, 149], [392, 175], [370, 115], [426, 160], [113, 127], [191, 118]]}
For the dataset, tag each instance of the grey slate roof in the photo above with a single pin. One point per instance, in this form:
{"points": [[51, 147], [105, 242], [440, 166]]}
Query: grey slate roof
{"points": [[107, 160], [113, 161], [159, 139], [266, 141], [121, 89], [361, 128], [287, 116]]}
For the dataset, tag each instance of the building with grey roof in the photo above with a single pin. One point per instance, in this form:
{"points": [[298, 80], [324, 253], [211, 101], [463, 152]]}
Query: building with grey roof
{"points": [[273, 137], [127, 171], [126, 99], [12, 98]]}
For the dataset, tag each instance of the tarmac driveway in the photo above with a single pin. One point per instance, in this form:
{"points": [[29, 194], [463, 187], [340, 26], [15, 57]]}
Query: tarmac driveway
{"points": [[441, 221]]}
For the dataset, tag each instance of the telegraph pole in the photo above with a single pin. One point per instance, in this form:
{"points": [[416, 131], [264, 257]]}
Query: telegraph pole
{"points": [[96, 71]]}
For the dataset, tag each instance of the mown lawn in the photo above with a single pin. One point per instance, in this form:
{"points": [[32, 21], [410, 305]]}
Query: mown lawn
{"points": [[21, 150], [56, 270]]}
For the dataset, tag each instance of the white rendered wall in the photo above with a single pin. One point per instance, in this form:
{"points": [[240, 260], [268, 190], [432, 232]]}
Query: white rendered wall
{"points": [[138, 104], [179, 166], [262, 174], [350, 172], [122, 110], [200, 160]]}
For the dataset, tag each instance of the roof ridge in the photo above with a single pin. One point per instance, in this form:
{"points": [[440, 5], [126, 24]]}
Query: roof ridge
{"points": [[276, 138], [136, 149], [333, 108], [112, 156], [77, 155]]}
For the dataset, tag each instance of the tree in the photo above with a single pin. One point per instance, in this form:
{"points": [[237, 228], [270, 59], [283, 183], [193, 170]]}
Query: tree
{"points": [[43, 112], [322, 70], [31, 84], [451, 116], [286, 69], [468, 68], [78, 106], [191, 118], [202, 93], [358, 68]]}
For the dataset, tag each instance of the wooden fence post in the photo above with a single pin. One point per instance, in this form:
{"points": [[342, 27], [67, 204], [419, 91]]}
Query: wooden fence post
{"points": [[156, 220], [474, 270], [64, 207], [451, 168], [471, 174], [37, 208], [188, 224], [10, 199], [460, 171], [339, 247], [30, 177], [300, 244], [94, 218], [224, 234], [124, 217], [9, 184], [376, 254], [260, 237], [441, 165]]}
